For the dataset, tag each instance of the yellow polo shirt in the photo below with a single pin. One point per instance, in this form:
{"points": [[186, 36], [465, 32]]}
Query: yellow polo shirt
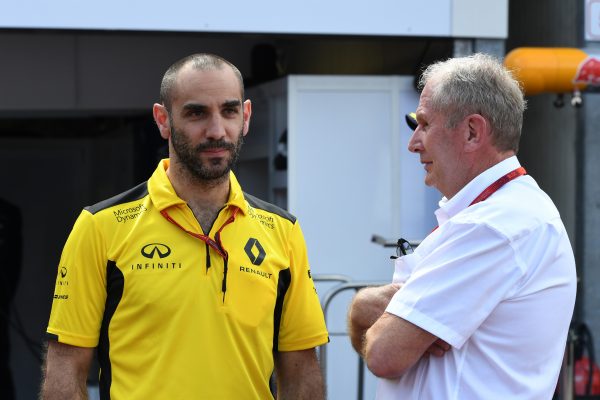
{"points": [[172, 318]]}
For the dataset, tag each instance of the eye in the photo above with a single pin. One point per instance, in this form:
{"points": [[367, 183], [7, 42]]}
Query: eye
{"points": [[230, 111], [195, 113]]}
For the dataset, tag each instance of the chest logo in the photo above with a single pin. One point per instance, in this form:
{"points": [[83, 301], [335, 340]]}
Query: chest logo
{"points": [[153, 249], [255, 252]]}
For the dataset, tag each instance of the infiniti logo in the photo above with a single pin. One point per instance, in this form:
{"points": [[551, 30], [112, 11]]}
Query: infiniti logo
{"points": [[152, 249]]}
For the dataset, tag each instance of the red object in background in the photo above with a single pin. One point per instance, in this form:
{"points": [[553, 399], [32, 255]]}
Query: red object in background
{"points": [[588, 71], [582, 373]]}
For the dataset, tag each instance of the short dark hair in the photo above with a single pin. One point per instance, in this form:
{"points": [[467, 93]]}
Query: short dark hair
{"points": [[199, 61]]}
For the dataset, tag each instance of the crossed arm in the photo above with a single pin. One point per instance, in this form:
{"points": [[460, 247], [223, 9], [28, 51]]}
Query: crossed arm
{"points": [[390, 345]]}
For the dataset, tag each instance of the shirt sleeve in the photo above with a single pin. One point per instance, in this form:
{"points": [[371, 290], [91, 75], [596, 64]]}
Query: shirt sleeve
{"points": [[80, 290], [302, 322], [455, 287]]}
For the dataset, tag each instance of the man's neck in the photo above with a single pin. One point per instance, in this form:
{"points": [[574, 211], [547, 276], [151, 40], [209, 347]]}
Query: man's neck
{"points": [[205, 198], [492, 159], [480, 165]]}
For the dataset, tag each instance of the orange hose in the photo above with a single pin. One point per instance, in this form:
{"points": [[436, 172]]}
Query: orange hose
{"points": [[546, 70]]}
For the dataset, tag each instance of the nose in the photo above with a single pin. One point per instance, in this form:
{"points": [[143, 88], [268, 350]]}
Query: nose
{"points": [[215, 128], [415, 145]]}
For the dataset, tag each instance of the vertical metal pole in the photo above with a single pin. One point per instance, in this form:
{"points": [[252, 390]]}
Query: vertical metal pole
{"points": [[361, 378], [325, 306], [566, 382]]}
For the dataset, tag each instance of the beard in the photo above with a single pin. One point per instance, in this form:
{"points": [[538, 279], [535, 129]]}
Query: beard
{"points": [[213, 170]]}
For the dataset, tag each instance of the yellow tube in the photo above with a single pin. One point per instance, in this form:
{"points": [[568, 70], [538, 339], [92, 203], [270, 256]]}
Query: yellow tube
{"points": [[546, 70]]}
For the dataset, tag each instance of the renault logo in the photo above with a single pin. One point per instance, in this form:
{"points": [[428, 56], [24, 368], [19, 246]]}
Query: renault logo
{"points": [[152, 249], [255, 251]]}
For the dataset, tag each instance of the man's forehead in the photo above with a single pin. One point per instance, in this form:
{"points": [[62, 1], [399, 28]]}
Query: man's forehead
{"points": [[424, 100], [200, 85], [224, 74], [421, 108]]}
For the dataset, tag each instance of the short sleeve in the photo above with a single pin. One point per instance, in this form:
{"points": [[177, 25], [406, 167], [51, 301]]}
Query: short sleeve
{"points": [[302, 322], [470, 269], [80, 289]]}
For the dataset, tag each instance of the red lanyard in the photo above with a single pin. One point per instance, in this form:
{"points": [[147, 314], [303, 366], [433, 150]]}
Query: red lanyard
{"points": [[503, 180], [215, 244]]}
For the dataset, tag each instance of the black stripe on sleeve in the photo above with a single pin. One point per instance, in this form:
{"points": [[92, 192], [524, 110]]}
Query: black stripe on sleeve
{"points": [[283, 284], [115, 282]]}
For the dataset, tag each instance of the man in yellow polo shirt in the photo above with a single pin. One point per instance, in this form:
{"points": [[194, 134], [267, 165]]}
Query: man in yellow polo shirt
{"points": [[188, 287]]}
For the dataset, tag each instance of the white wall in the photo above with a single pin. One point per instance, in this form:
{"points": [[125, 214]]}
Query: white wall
{"points": [[375, 17]]}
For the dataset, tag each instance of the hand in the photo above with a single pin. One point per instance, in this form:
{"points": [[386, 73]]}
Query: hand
{"points": [[437, 349], [388, 291]]}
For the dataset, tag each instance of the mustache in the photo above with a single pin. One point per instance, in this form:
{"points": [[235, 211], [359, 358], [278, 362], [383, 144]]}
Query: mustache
{"points": [[215, 144]]}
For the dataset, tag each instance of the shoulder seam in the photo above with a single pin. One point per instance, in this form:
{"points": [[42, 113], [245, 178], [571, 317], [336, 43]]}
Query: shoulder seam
{"points": [[263, 205], [136, 193]]}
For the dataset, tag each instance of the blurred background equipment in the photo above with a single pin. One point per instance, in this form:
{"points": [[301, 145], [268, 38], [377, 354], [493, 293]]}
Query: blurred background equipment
{"points": [[557, 70]]}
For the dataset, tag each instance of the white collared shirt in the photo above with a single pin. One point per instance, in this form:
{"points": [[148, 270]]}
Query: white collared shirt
{"points": [[497, 282]]}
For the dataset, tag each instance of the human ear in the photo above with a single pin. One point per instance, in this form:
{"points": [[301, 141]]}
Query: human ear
{"points": [[161, 117], [477, 133], [247, 113]]}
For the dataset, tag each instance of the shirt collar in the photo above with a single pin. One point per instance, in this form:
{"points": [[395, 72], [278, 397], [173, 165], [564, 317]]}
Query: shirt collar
{"points": [[461, 200], [163, 195]]}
